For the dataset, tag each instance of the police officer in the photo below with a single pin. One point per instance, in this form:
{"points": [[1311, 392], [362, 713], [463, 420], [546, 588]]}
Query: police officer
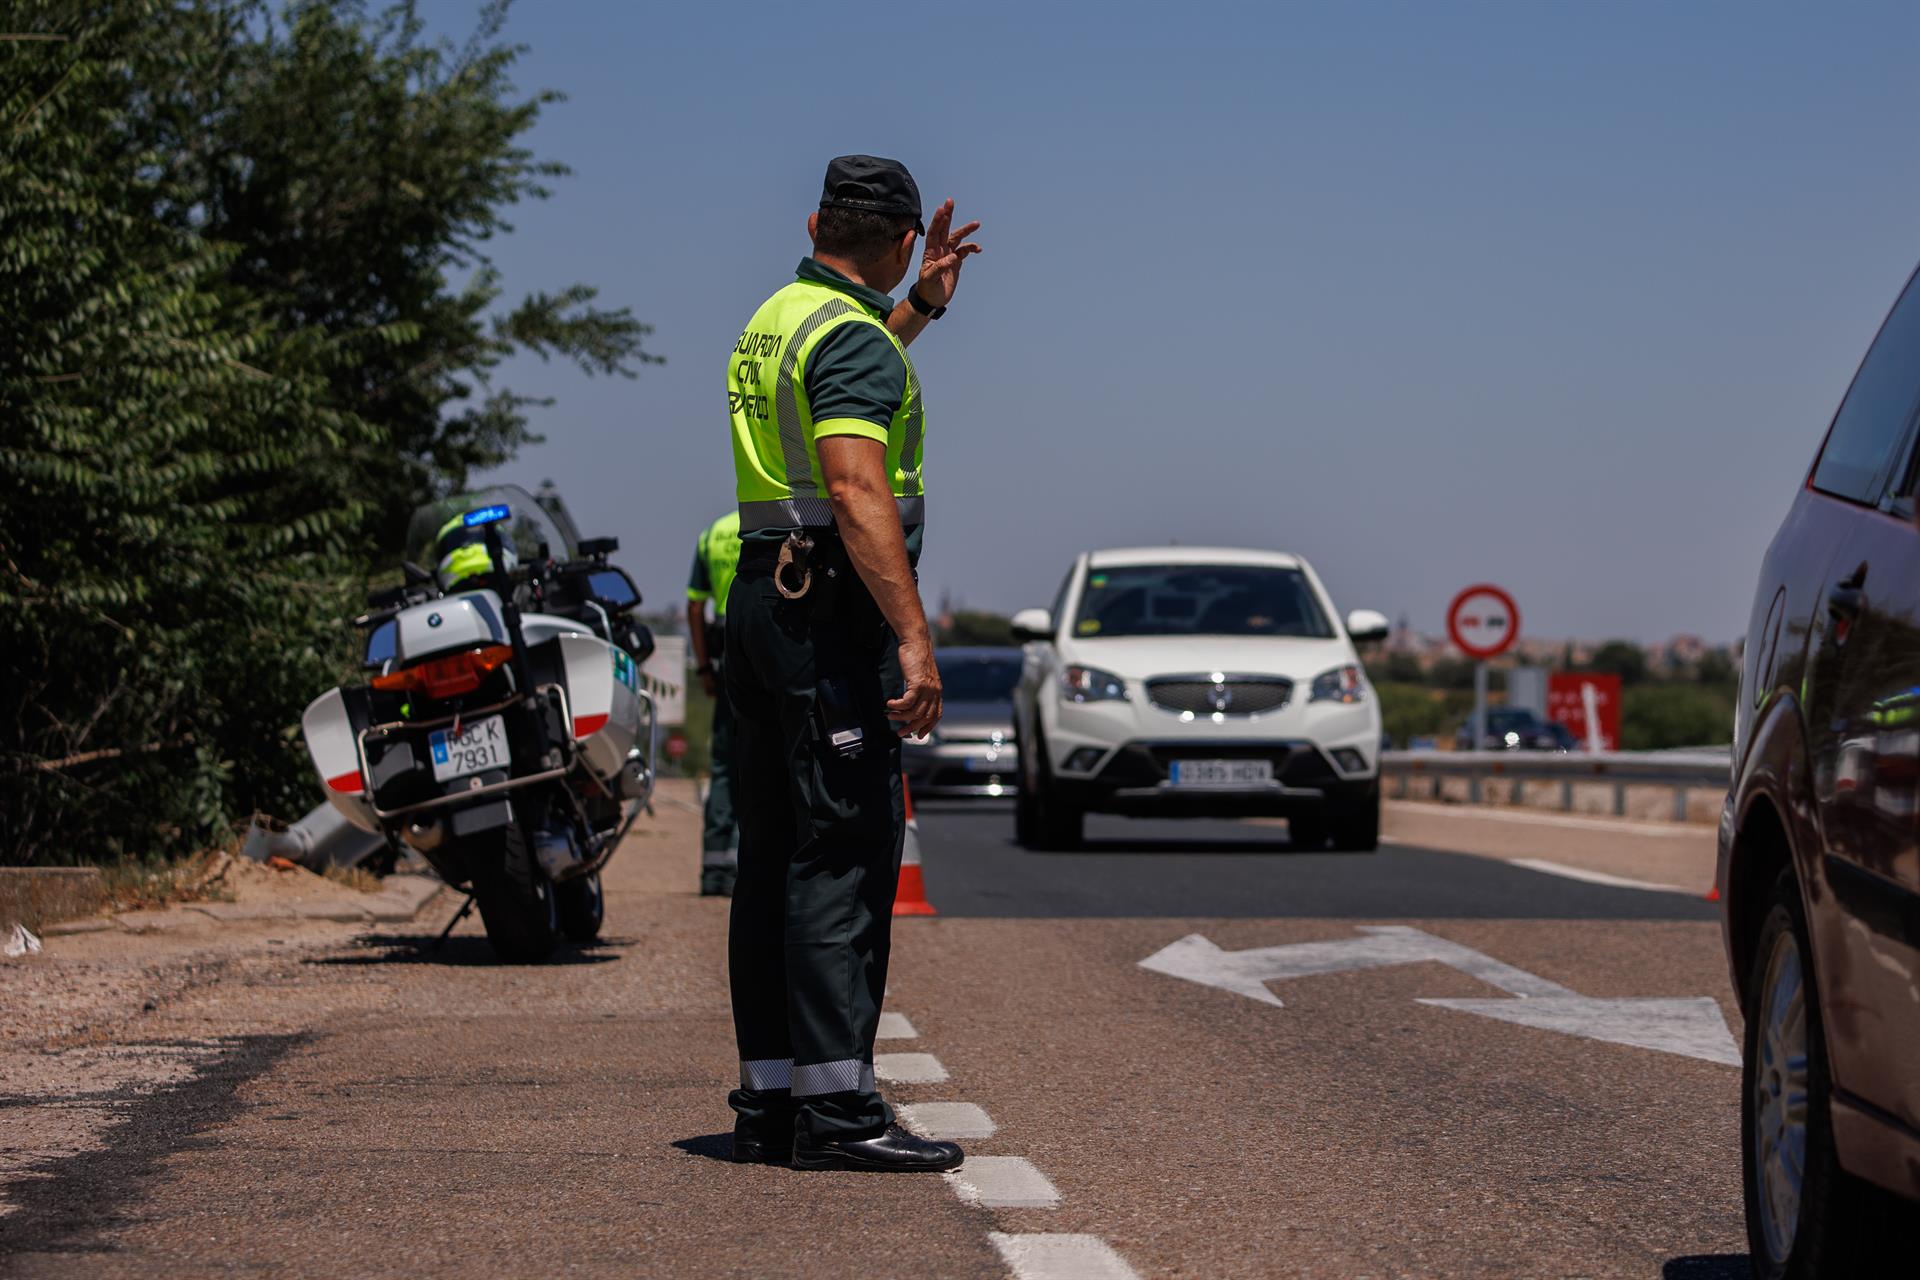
{"points": [[462, 554], [828, 662], [715, 558]]}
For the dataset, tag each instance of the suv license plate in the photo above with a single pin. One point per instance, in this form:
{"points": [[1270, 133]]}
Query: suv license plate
{"points": [[1220, 773], [481, 745]]}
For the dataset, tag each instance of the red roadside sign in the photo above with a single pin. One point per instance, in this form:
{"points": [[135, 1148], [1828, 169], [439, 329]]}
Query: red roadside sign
{"points": [[1483, 621], [1572, 696]]}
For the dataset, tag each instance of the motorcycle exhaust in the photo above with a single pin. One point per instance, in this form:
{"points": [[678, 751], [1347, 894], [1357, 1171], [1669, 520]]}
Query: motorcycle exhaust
{"points": [[424, 834]]}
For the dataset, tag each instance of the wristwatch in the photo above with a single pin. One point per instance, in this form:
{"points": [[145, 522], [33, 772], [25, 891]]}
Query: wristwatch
{"points": [[920, 304]]}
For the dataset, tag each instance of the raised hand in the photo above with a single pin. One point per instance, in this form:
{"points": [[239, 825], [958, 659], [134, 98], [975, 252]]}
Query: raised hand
{"points": [[945, 250]]}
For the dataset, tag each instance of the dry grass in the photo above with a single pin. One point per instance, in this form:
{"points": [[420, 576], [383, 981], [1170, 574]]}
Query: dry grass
{"points": [[356, 878], [133, 885]]}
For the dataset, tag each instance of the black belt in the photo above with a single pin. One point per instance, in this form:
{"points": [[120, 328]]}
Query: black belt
{"points": [[760, 555]]}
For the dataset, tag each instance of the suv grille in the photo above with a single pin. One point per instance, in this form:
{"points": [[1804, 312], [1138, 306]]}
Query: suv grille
{"points": [[1234, 696]]}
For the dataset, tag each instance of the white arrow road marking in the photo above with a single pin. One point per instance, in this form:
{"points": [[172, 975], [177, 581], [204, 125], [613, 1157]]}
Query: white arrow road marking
{"points": [[1692, 1027], [1248, 972]]}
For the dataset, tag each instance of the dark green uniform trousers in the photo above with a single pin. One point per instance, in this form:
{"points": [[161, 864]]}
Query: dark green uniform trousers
{"points": [[820, 841], [720, 842]]}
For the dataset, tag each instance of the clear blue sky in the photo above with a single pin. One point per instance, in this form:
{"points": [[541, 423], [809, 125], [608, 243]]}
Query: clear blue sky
{"points": [[1557, 296]]}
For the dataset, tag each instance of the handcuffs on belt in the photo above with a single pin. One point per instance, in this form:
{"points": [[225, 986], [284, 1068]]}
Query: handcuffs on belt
{"points": [[797, 550]]}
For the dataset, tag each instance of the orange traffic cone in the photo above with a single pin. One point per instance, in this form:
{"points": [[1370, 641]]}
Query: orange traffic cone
{"points": [[910, 898]]}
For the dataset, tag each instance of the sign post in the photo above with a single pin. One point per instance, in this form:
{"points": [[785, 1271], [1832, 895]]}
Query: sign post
{"points": [[1483, 623]]}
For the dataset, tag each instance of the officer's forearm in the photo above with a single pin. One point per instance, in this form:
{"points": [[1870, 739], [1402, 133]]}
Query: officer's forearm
{"points": [[869, 522], [905, 322], [697, 631]]}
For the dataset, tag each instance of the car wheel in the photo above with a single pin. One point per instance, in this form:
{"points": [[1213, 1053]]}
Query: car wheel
{"points": [[1307, 832], [1026, 822], [1052, 822], [1357, 830], [1806, 1216]]}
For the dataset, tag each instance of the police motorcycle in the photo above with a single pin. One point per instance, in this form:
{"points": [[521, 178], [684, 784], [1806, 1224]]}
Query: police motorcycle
{"points": [[504, 734]]}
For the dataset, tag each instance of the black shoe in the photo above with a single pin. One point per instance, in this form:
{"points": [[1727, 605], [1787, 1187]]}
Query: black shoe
{"points": [[895, 1151], [717, 882], [748, 1149]]}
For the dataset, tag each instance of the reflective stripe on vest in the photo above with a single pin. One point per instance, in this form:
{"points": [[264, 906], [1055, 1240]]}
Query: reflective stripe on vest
{"points": [[801, 513], [776, 462]]}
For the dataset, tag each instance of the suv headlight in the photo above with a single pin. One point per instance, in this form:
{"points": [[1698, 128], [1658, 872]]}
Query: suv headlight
{"points": [[1342, 684], [1091, 684]]}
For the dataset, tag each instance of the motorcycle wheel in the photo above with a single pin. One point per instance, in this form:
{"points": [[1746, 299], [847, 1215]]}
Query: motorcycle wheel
{"points": [[583, 906], [518, 905]]}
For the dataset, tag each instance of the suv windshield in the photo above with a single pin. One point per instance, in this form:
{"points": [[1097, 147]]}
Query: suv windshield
{"points": [[978, 677], [1199, 600]]}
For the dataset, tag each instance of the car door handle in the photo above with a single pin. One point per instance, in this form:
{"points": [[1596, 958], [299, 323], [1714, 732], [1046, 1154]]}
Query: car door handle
{"points": [[1844, 597]]}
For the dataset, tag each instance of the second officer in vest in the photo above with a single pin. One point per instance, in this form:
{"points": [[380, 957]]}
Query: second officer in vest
{"points": [[829, 661], [715, 557]]}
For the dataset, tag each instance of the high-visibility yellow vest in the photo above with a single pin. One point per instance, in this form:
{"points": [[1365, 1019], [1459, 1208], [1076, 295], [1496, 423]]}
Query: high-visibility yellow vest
{"points": [[776, 466], [719, 551]]}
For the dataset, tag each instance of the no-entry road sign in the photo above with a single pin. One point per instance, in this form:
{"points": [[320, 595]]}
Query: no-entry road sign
{"points": [[1483, 621]]}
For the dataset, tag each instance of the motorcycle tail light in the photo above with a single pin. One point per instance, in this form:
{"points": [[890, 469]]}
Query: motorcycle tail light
{"points": [[447, 677]]}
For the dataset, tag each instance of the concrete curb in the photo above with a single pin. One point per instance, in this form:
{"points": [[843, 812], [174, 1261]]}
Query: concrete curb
{"points": [[401, 898]]}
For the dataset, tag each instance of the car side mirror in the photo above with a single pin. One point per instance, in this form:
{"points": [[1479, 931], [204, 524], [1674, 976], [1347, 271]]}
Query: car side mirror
{"points": [[1364, 626], [1032, 624]]}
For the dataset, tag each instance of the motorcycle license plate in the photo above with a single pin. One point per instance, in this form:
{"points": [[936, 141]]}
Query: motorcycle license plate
{"points": [[481, 745], [1220, 773]]}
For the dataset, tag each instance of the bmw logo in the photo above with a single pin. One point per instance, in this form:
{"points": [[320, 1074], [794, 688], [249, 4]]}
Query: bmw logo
{"points": [[433, 619]]}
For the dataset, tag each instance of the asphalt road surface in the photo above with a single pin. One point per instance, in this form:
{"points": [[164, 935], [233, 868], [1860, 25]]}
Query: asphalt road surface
{"points": [[1422, 1062]]}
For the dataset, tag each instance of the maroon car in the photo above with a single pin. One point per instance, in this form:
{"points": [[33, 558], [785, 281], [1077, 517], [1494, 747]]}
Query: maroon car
{"points": [[1820, 848]]}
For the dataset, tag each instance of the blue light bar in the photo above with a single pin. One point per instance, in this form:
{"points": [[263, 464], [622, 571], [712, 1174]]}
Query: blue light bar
{"points": [[487, 515]]}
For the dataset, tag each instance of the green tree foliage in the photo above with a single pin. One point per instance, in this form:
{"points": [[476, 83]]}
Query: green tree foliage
{"points": [[169, 570], [1658, 716], [360, 170], [1622, 658], [246, 323]]}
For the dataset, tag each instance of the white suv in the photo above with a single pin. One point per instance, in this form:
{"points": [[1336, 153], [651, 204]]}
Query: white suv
{"points": [[1197, 681]]}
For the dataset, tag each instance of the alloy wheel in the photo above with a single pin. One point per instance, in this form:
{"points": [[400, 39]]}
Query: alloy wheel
{"points": [[1780, 1089]]}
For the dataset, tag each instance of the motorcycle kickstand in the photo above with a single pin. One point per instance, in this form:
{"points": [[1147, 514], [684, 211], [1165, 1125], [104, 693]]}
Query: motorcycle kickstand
{"points": [[466, 909]]}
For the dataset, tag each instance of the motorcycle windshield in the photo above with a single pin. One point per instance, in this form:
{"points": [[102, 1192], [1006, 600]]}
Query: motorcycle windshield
{"points": [[530, 528]]}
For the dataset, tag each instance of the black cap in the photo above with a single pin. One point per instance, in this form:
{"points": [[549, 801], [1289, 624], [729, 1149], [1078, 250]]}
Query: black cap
{"points": [[873, 184]]}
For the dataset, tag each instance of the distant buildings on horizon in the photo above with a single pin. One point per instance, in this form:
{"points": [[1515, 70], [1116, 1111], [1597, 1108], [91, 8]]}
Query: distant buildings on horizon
{"points": [[1680, 652]]}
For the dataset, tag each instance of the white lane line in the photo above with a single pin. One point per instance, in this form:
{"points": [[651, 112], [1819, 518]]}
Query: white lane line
{"points": [[1002, 1182], [908, 1068], [1593, 877], [1556, 820], [894, 1026], [1041, 1256], [948, 1120]]}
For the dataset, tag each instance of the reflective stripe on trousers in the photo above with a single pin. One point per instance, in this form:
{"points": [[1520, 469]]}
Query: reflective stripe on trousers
{"points": [[814, 513], [849, 1075]]}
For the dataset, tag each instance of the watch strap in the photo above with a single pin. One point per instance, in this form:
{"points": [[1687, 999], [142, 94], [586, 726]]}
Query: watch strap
{"points": [[924, 307]]}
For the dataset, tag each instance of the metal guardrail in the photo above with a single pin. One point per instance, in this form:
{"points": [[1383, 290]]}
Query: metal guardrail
{"points": [[1684, 771]]}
